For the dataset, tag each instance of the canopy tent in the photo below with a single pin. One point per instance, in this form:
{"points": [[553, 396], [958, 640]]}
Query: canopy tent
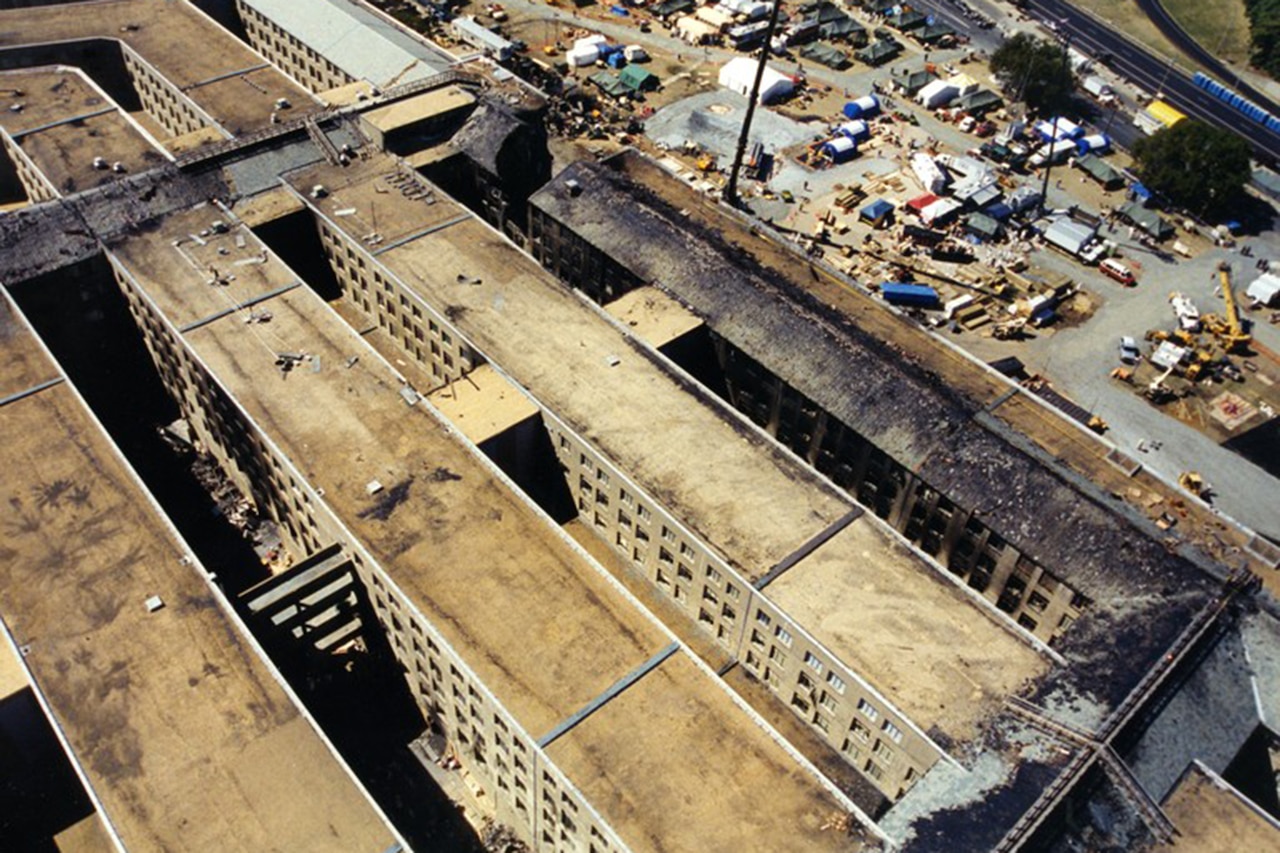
{"points": [[739, 73], [1100, 170], [1146, 219], [1264, 290], [638, 79], [877, 212], [940, 211], [920, 202], [879, 52], [983, 226]]}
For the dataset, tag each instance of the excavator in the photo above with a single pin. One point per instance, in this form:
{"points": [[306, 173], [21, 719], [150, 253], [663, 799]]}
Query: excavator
{"points": [[1227, 329]]}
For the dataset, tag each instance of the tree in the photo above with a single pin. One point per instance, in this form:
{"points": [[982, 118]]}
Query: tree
{"points": [[1197, 166], [1035, 72]]}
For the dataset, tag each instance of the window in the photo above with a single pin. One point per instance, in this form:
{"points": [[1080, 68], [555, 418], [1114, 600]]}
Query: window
{"points": [[894, 733], [712, 574], [860, 731], [828, 702], [873, 770], [778, 656], [836, 682], [1037, 602], [812, 661], [763, 618], [783, 636], [756, 639], [868, 710]]}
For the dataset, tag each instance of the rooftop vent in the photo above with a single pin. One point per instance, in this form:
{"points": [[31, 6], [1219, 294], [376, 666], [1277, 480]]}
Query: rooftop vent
{"points": [[100, 162], [319, 191], [575, 188], [154, 603]]}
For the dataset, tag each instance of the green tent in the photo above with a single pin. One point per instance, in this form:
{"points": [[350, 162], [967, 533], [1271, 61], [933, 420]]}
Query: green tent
{"points": [[636, 79], [609, 83], [1100, 170], [879, 53]]}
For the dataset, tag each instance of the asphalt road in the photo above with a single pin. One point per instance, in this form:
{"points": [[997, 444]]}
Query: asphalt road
{"points": [[1158, 77], [1175, 33]]}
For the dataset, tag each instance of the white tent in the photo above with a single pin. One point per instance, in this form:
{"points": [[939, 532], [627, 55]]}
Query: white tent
{"points": [[938, 93], [1265, 290], [690, 29], [738, 74], [939, 210], [930, 174], [1069, 235]]}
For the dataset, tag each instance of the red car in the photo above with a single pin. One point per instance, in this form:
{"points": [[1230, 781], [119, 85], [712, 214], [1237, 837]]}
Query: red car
{"points": [[1112, 268]]}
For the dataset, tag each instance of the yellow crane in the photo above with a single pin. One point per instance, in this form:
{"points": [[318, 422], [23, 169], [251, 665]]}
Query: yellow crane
{"points": [[1230, 331]]}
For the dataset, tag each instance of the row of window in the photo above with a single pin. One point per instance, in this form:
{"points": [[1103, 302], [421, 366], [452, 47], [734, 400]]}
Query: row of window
{"points": [[476, 724], [428, 338], [301, 61], [164, 103], [877, 481]]}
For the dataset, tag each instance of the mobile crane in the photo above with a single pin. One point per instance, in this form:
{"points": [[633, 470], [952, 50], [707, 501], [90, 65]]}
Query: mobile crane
{"points": [[1228, 330]]}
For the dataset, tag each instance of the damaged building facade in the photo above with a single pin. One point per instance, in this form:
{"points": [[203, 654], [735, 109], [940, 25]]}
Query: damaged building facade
{"points": [[604, 233], [694, 563]]}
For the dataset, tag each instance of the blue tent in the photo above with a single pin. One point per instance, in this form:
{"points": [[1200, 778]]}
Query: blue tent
{"points": [[876, 212], [864, 107], [840, 148]]}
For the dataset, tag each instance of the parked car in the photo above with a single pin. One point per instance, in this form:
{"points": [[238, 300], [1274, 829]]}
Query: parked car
{"points": [[1113, 269], [1129, 352]]}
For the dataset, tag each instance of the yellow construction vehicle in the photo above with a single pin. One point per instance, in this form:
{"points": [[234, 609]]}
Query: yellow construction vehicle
{"points": [[1233, 338], [1192, 482]]}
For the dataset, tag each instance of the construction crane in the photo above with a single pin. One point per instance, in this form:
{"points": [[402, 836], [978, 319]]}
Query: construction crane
{"points": [[1158, 392], [1234, 339]]}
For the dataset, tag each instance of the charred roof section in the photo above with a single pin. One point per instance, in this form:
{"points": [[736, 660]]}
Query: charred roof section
{"points": [[887, 391]]}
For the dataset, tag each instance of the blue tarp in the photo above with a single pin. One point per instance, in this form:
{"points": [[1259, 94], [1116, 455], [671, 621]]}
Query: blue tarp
{"points": [[876, 211], [998, 211], [899, 293]]}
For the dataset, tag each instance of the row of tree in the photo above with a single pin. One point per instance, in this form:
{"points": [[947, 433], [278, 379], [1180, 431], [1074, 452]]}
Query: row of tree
{"points": [[1264, 34], [1196, 166]]}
